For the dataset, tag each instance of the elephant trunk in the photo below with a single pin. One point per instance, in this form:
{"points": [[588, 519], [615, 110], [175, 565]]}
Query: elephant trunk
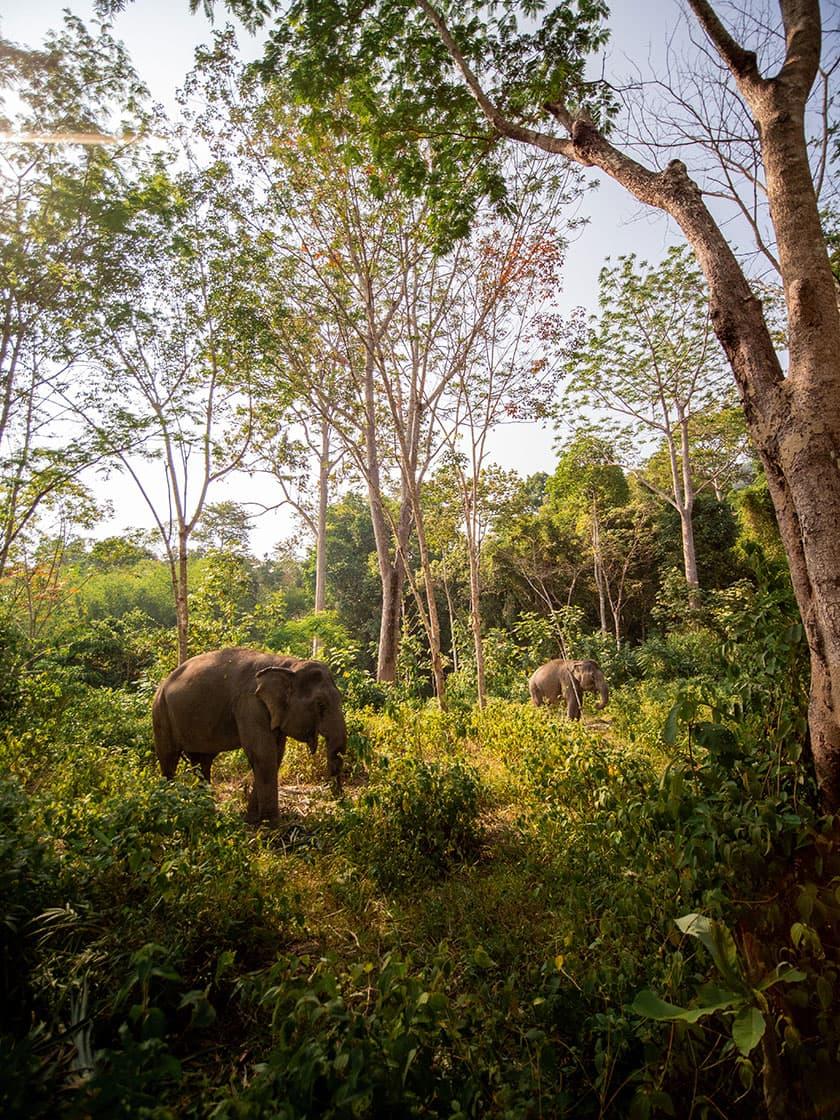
{"points": [[603, 691], [335, 734]]}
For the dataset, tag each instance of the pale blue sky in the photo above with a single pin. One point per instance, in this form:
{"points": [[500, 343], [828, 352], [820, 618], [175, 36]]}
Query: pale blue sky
{"points": [[161, 36]]}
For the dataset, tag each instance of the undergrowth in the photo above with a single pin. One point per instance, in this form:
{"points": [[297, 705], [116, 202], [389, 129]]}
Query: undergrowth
{"points": [[510, 915]]}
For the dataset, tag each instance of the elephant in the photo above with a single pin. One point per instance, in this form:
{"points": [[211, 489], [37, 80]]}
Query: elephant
{"points": [[569, 679], [236, 697]]}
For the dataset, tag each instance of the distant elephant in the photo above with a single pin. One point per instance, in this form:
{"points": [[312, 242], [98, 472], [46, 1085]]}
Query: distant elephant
{"points": [[569, 679], [229, 698]]}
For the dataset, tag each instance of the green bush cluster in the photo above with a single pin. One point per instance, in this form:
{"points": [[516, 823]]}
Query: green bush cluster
{"points": [[415, 821]]}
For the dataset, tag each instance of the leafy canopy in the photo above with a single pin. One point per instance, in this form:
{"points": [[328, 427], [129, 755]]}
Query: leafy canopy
{"points": [[378, 74]]}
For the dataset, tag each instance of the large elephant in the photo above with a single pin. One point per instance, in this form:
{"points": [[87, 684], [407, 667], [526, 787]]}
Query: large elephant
{"points": [[231, 698], [569, 679]]}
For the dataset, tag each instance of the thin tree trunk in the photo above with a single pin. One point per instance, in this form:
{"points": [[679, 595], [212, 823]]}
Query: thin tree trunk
{"points": [[598, 567], [432, 618], [475, 623], [182, 610], [453, 645], [390, 621], [321, 531], [391, 570], [689, 552]]}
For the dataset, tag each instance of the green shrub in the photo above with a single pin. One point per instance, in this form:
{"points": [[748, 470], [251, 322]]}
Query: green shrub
{"points": [[583, 774], [417, 820], [27, 870], [386, 1039]]}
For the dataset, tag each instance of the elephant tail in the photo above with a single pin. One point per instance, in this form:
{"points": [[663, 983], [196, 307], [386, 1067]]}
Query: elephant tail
{"points": [[166, 750]]}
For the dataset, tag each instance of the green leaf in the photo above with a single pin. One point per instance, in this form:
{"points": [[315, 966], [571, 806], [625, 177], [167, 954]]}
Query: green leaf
{"points": [[224, 964], [747, 1029], [781, 974], [669, 731], [649, 1004], [720, 944], [481, 958], [825, 992], [716, 738]]}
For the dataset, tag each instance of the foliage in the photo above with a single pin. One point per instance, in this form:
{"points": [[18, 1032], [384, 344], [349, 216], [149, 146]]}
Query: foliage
{"points": [[417, 820], [62, 212], [390, 63]]}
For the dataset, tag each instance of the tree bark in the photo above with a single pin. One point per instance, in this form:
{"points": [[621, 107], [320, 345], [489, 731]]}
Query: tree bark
{"points": [[392, 579], [475, 624], [431, 620]]}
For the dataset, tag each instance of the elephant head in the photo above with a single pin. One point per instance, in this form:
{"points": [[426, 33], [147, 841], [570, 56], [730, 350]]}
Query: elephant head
{"points": [[304, 703], [589, 678]]}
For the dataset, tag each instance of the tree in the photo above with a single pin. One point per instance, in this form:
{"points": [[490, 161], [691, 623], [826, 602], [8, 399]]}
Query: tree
{"points": [[353, 577], [586, 485], [465, 77], [533, 557], [62, 204], [290, 461], [650, 358], [504, 376], [175, 358]]}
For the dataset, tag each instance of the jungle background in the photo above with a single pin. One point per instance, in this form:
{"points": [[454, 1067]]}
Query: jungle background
{"points": [[509, 914]]}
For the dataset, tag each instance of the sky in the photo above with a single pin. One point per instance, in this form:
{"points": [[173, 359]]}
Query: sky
{"points": [[161, 36]]}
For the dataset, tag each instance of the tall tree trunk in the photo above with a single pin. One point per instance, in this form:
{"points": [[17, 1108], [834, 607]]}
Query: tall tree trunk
{"points": [[390, 621], [689, 552], [182, 610], [321, 531], [453, 645], [392, 579], [391, 565], [598, 567], [475, 619], [432, 619]]}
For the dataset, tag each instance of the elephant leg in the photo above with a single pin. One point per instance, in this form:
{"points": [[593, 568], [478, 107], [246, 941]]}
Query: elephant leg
{"points": [[252, 813], [168, 762], [167, 751], [202, 762], [262, 803], [573, 703]]}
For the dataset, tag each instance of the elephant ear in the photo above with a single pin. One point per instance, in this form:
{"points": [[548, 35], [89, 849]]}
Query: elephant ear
{"points": [[274, 688]]}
